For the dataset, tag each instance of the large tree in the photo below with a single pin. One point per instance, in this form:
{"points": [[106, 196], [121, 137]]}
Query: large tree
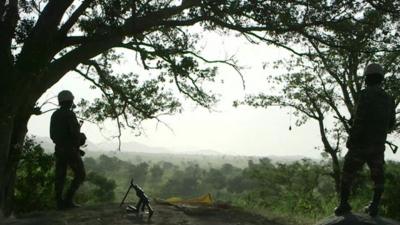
{"points": [[42, 40], [325, 74]]}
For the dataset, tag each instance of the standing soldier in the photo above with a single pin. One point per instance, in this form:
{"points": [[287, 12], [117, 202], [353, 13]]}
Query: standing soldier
{"points": [[65, 133], [374, 118]]}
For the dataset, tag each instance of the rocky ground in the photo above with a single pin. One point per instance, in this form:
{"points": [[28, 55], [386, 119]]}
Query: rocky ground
{"points": [[357, 219], [112, 214], [164, 215]]}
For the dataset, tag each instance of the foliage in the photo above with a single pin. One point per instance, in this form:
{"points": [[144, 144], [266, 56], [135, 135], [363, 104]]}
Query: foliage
{"points": [[392, 195], [324, 74], [97, 189], [34, 184], [299, 189], [34, 188]]}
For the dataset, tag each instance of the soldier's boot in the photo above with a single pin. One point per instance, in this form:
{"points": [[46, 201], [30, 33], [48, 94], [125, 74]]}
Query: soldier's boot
{"points": [[373, 207], [59, 200], [68, 202], [344, 206], [342, 209]]}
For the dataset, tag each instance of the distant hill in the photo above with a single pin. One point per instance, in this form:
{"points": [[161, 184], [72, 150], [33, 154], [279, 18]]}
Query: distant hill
{"points": [[131, 147], [137, 152], [48, 145]]}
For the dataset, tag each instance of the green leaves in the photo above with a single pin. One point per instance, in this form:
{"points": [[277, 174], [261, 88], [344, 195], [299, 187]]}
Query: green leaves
{"points": [[35, 178]]}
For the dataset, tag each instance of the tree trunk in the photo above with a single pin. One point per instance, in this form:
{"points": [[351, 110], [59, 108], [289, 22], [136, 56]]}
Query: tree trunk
{"points": [[17, 141], [336, 170], [6, 128], [332, 152], [13, 128]]}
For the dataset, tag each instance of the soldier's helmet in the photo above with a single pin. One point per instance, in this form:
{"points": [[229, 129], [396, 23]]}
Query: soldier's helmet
{"points": [[374, 69], [374, 73], [65, 96]]}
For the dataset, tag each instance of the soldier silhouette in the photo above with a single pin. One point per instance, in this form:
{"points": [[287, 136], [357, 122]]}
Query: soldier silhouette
{"points": [[373, 119], [65, 133]]}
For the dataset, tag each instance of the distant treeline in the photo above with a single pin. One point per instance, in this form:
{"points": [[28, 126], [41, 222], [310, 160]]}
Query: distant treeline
{"points": [[301, 189]]}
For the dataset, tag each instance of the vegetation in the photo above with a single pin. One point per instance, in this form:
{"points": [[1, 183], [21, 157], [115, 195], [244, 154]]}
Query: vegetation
{"points": [[326, 72], [34, 187], [301, 190], [43, 40]]}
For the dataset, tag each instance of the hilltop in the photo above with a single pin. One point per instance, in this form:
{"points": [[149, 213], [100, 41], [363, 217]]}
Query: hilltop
{"points": [[164, 215]]}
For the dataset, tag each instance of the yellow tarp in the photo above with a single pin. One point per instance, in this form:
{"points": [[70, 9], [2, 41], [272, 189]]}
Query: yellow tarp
{"points": [[201, 200]]}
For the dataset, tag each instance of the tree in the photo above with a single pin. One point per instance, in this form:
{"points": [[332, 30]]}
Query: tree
{"points": [[156, 173], [41, 41], [324, 75]]}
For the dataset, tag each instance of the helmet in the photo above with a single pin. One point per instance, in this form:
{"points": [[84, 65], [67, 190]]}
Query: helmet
{"points": [[65, 96], [374, 69]]}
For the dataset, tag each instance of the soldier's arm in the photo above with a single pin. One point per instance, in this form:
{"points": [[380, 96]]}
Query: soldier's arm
{"points": [[359, 119], [74, 129], [52, 129]]}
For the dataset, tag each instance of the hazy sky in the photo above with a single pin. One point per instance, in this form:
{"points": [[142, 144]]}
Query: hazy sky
{"points": [[243, 130]]}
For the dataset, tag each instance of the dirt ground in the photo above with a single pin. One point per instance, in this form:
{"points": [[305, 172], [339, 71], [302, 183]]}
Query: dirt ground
{"points": [[164, 215]]}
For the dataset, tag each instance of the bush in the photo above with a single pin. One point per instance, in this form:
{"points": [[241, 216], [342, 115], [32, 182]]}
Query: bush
{"points": [[34, 186], [34, 181]]}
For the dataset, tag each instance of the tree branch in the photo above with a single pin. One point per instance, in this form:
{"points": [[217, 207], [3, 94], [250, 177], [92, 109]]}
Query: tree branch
{"points": [[329, 99], [135, 25], [330, 70], [8, 22], [41, 46], [109, 100], [73, 18]]}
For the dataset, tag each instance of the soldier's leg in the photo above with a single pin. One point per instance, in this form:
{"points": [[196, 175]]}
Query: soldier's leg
{"points": [[352, 164], [376, 166], [76, 164], [60, 175]]}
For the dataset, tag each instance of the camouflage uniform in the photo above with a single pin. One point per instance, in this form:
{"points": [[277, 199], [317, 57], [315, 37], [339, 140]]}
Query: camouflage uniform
{"points": [[373, 119], [65, 133]]}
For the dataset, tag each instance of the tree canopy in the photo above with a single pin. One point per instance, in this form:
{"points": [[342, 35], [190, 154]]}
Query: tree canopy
{"points": [[325, 73]]}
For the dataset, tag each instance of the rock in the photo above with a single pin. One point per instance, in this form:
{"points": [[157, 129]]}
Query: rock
{"points": [[357, 219]]}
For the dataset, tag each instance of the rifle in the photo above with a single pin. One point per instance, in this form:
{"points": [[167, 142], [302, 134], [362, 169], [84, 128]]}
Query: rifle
{"points": [[82, 137], [392, 146]]}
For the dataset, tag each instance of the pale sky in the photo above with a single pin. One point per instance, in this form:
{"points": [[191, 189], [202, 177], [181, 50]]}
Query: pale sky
{"points": [[240, 131]]}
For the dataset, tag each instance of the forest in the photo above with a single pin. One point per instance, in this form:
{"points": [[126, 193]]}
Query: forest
{"points": [[298, 192]]}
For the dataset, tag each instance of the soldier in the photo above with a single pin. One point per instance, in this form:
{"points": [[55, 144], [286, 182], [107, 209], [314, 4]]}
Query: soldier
{"points": [[374, 118], [65, 133]]}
